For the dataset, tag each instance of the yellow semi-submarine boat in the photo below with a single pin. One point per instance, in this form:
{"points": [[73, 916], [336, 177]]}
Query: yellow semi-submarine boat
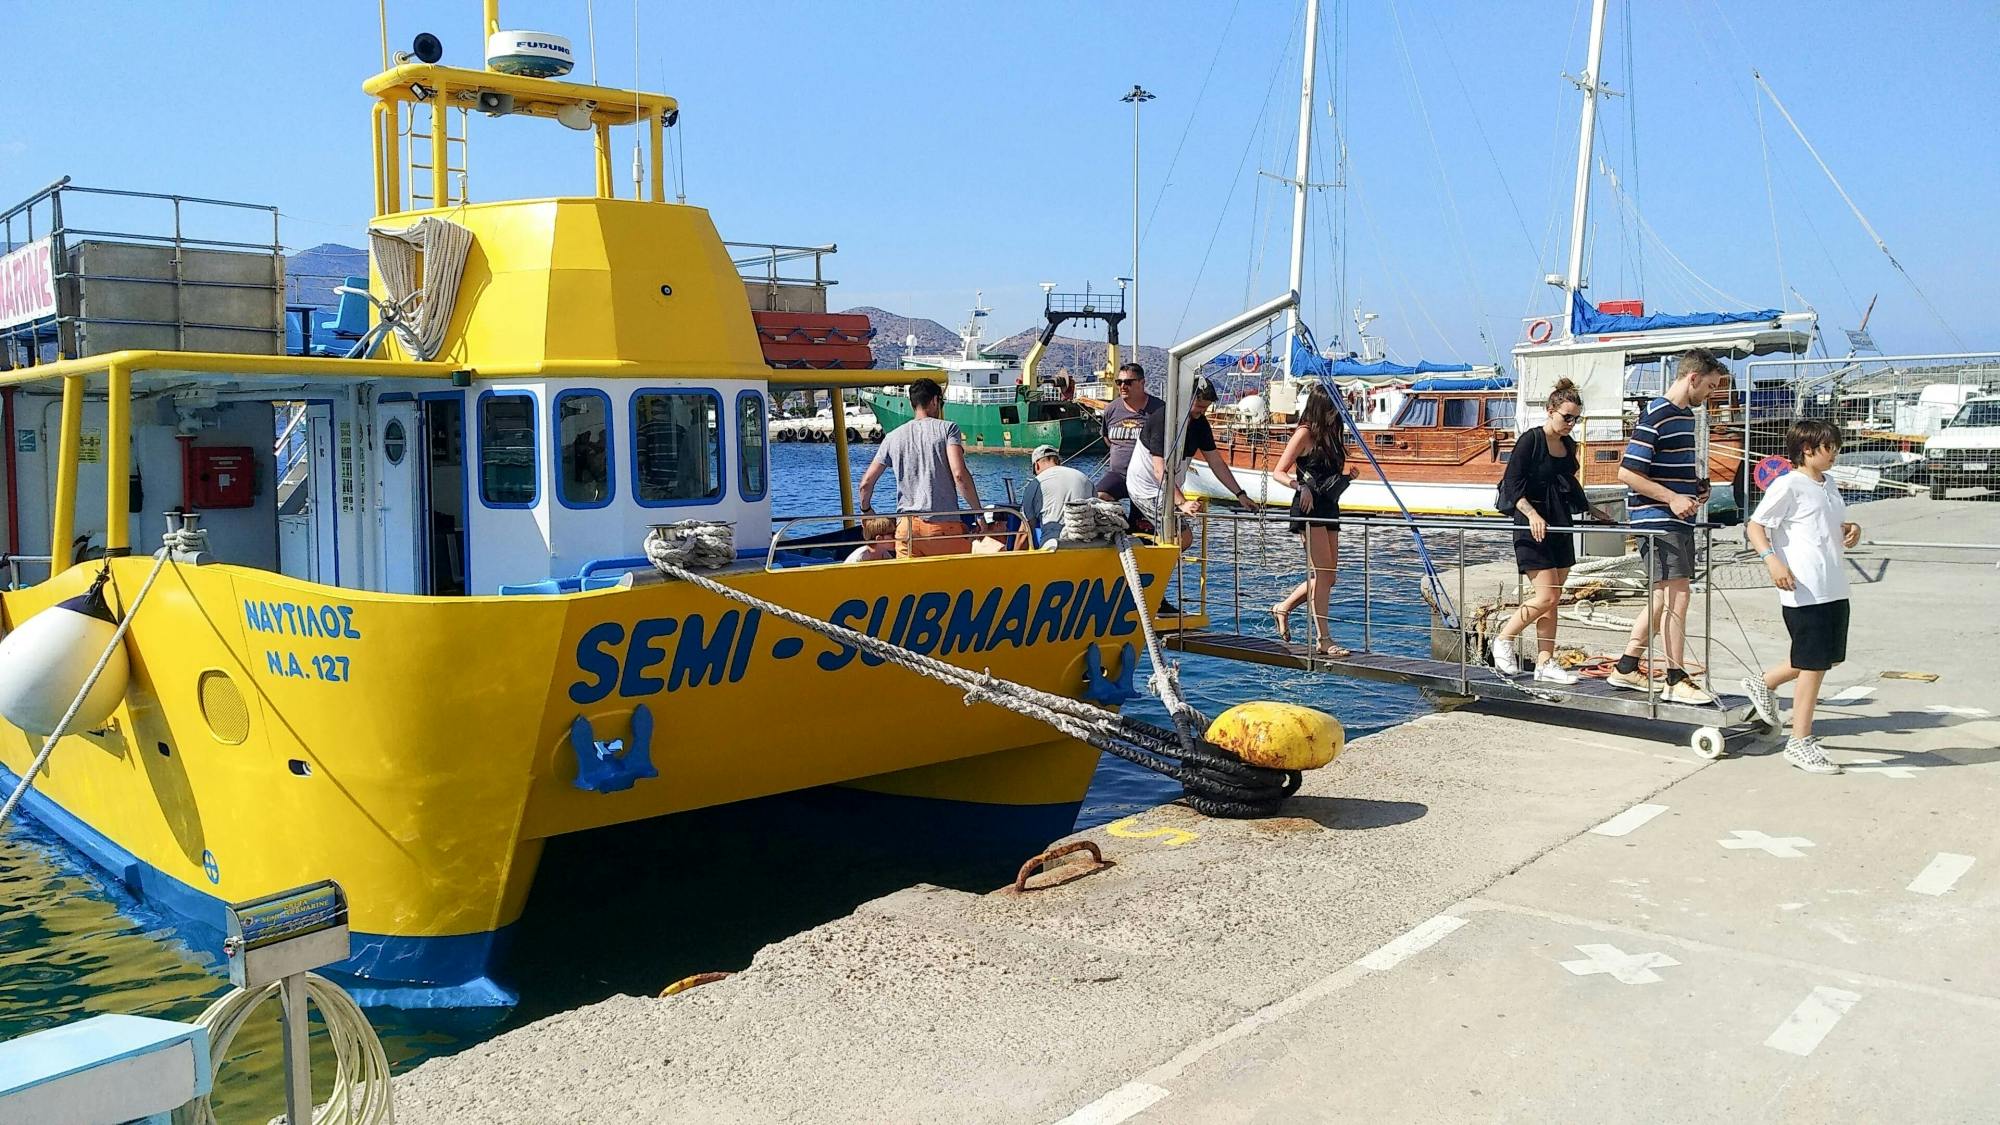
{"points": [[453, 675]]}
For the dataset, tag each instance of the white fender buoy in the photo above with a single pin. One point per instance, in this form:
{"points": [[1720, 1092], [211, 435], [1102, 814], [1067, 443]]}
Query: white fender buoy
{"points": [[1254, 409], [44, 662]]}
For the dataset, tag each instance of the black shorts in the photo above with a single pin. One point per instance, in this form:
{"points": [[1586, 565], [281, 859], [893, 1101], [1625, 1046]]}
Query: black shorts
{"points": [[1819, 634], [1113, 485]]}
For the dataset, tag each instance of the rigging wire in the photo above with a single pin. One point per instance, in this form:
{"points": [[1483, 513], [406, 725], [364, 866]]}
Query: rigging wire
{"points": [[1166, 180], [1771, 199], [1618, 194], [1236, 179], [1632, 146], [1880, 244], [1451, 200], [1472, 113]]}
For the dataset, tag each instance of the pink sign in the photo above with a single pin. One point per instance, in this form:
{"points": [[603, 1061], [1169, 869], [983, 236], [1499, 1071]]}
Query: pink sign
{"points": [[27, 284]]}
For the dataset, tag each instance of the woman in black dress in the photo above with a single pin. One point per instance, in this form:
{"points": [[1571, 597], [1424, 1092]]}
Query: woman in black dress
{"points": [[1314, 466], [1540, 489]]}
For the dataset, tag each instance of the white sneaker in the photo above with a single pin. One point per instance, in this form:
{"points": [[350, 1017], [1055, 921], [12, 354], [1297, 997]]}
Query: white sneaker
{"points": [[1687, 691], [1506, 661], [1808, 755], [1551, 672], [1763, 699]]}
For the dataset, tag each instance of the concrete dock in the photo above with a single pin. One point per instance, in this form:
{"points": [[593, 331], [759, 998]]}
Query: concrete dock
{"points": [[1468, 917]]}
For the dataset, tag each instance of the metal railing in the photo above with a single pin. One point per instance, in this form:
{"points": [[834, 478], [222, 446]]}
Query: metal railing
{"points": [[42, 215], [763, 264], [1384, 611]]}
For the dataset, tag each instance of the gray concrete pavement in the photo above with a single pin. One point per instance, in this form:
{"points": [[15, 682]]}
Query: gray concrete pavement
{"points": [[1436, 934]]}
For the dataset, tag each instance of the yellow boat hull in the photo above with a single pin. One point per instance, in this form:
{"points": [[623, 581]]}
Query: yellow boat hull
{"points": [[420, 750]]}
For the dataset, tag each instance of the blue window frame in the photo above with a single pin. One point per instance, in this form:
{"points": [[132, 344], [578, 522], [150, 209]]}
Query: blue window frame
{"points": [[753, 466], [580, 432], [509, 465], [676, 447]]}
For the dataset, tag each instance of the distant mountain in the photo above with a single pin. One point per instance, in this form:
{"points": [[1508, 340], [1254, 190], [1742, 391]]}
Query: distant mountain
{"points": [[1065, 354], [310, 275]]}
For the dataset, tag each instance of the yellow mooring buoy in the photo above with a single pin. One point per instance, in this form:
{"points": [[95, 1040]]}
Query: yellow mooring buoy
{"points": [[1281, 736]]}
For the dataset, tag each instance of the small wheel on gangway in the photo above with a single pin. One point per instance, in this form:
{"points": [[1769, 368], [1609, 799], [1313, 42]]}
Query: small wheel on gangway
{"points": [[1708, 743]]}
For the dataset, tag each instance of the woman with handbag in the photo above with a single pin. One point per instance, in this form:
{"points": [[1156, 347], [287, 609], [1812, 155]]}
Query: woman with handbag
{"points": [[1540, 489], [1314, 466]]}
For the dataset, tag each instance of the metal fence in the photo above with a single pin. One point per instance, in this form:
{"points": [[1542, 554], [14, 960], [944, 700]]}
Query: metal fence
{"points": [[1888, 410]]}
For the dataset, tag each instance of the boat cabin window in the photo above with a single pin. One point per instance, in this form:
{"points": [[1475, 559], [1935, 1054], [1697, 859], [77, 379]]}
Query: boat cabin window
{"points": [[1461, 413], [507, 466], [583, 449], [1418, 412], [751, 468], [1500, 413], [676, 447]]}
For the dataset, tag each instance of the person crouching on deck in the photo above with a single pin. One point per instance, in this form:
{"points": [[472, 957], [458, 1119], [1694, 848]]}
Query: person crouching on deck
{"points": [[1146, 478], [1314, 467], [878, 541], [1540, 489], [1800, 531], [928, 456]]}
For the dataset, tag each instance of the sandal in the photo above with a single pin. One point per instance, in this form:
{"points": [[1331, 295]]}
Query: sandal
{"points": [[1284, 621], [1334, 652]]}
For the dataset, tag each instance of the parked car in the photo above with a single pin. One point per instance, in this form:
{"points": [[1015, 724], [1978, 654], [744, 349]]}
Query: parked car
{"points": [[1966, 452]]}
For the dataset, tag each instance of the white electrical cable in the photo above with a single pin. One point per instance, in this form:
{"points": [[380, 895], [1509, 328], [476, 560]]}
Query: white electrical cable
{"points": [[361, 1092]]}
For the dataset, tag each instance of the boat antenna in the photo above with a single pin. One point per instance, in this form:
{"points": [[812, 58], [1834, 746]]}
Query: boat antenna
{"points": [[590, 30], [382, 9], [638, 111]]}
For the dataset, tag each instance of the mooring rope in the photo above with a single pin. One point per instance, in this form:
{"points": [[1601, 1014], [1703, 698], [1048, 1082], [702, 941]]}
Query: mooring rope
{"points": [[1217, 782]]}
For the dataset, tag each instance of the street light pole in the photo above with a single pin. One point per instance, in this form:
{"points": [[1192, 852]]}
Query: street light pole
{"points": [[1138, 97]]}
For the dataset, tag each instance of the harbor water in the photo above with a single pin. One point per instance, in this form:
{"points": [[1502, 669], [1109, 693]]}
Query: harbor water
{"points": [[631, 909]]}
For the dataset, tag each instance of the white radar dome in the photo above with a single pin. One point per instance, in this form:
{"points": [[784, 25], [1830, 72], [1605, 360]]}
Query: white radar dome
{"points": [[44, 662], [536, 54]]}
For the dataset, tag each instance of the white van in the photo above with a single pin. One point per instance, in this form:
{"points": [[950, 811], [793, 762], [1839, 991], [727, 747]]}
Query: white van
{"points": [[1966, 452]]}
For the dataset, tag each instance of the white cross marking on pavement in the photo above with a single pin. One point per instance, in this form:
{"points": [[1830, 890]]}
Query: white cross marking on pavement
{"points": [[1626, 968], [1811, 1020], [1784, 847], [1947, 709], [1901, 773], [1942, 874], [1631, 818], [1851, 695]]}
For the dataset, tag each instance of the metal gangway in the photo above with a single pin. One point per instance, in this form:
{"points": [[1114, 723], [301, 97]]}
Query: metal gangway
{"points": [[1244, 562]]}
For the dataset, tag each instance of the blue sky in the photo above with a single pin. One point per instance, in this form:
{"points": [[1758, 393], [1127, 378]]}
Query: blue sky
{"points": [[949, 147]]}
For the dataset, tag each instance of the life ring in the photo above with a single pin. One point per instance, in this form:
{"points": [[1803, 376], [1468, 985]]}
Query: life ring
{"points": [[1540, 331], [1249, 361]]}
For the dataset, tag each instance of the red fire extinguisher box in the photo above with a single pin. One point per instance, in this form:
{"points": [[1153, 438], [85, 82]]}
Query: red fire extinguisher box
{"points": [[222, 476]]}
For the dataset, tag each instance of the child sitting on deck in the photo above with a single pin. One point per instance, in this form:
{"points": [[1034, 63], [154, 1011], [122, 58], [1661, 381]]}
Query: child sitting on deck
{"points": [[879, 540], [1799, 532]]}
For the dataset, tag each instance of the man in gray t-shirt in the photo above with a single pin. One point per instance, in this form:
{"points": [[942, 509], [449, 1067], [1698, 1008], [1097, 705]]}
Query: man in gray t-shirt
{"points": [[1123, 418], [927, 455], [1045, 497]]}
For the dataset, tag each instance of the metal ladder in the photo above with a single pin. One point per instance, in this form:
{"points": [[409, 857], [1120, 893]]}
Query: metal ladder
{"points": [[420, 168]]}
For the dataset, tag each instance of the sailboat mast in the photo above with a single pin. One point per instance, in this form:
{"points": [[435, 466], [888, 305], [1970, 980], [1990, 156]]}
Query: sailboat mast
{"points": [[1580, 209], [1300, 181]]}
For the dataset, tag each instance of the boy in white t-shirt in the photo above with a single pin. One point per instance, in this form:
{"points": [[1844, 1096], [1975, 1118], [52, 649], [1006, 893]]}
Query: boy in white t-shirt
{"points": [[1800, 531]]}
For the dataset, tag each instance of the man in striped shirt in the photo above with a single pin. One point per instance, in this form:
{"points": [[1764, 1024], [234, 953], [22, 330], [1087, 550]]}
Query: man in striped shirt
{"points": [[1666, 488]]}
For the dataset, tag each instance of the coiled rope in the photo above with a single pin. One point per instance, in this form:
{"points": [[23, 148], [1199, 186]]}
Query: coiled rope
{"points": [[1218, 783], [361, 1089]]}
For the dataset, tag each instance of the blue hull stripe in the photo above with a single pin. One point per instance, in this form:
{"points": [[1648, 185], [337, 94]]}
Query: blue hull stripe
{"points": [[386, 971]]}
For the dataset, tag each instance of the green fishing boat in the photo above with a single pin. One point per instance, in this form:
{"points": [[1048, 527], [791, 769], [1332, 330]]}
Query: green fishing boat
{"points": [[997, 400]]}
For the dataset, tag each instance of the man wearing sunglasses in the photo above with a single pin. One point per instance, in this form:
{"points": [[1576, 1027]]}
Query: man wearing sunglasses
{"points": [[1123, 419]]}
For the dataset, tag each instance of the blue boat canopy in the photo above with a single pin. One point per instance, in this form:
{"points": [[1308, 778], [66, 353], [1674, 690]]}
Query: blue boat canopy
{"points": [[1586, 320], [1305, 361], [1471, 383]]}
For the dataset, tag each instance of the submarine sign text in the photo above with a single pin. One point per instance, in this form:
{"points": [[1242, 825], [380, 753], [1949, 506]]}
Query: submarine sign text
{"points": [[666, 654]]}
